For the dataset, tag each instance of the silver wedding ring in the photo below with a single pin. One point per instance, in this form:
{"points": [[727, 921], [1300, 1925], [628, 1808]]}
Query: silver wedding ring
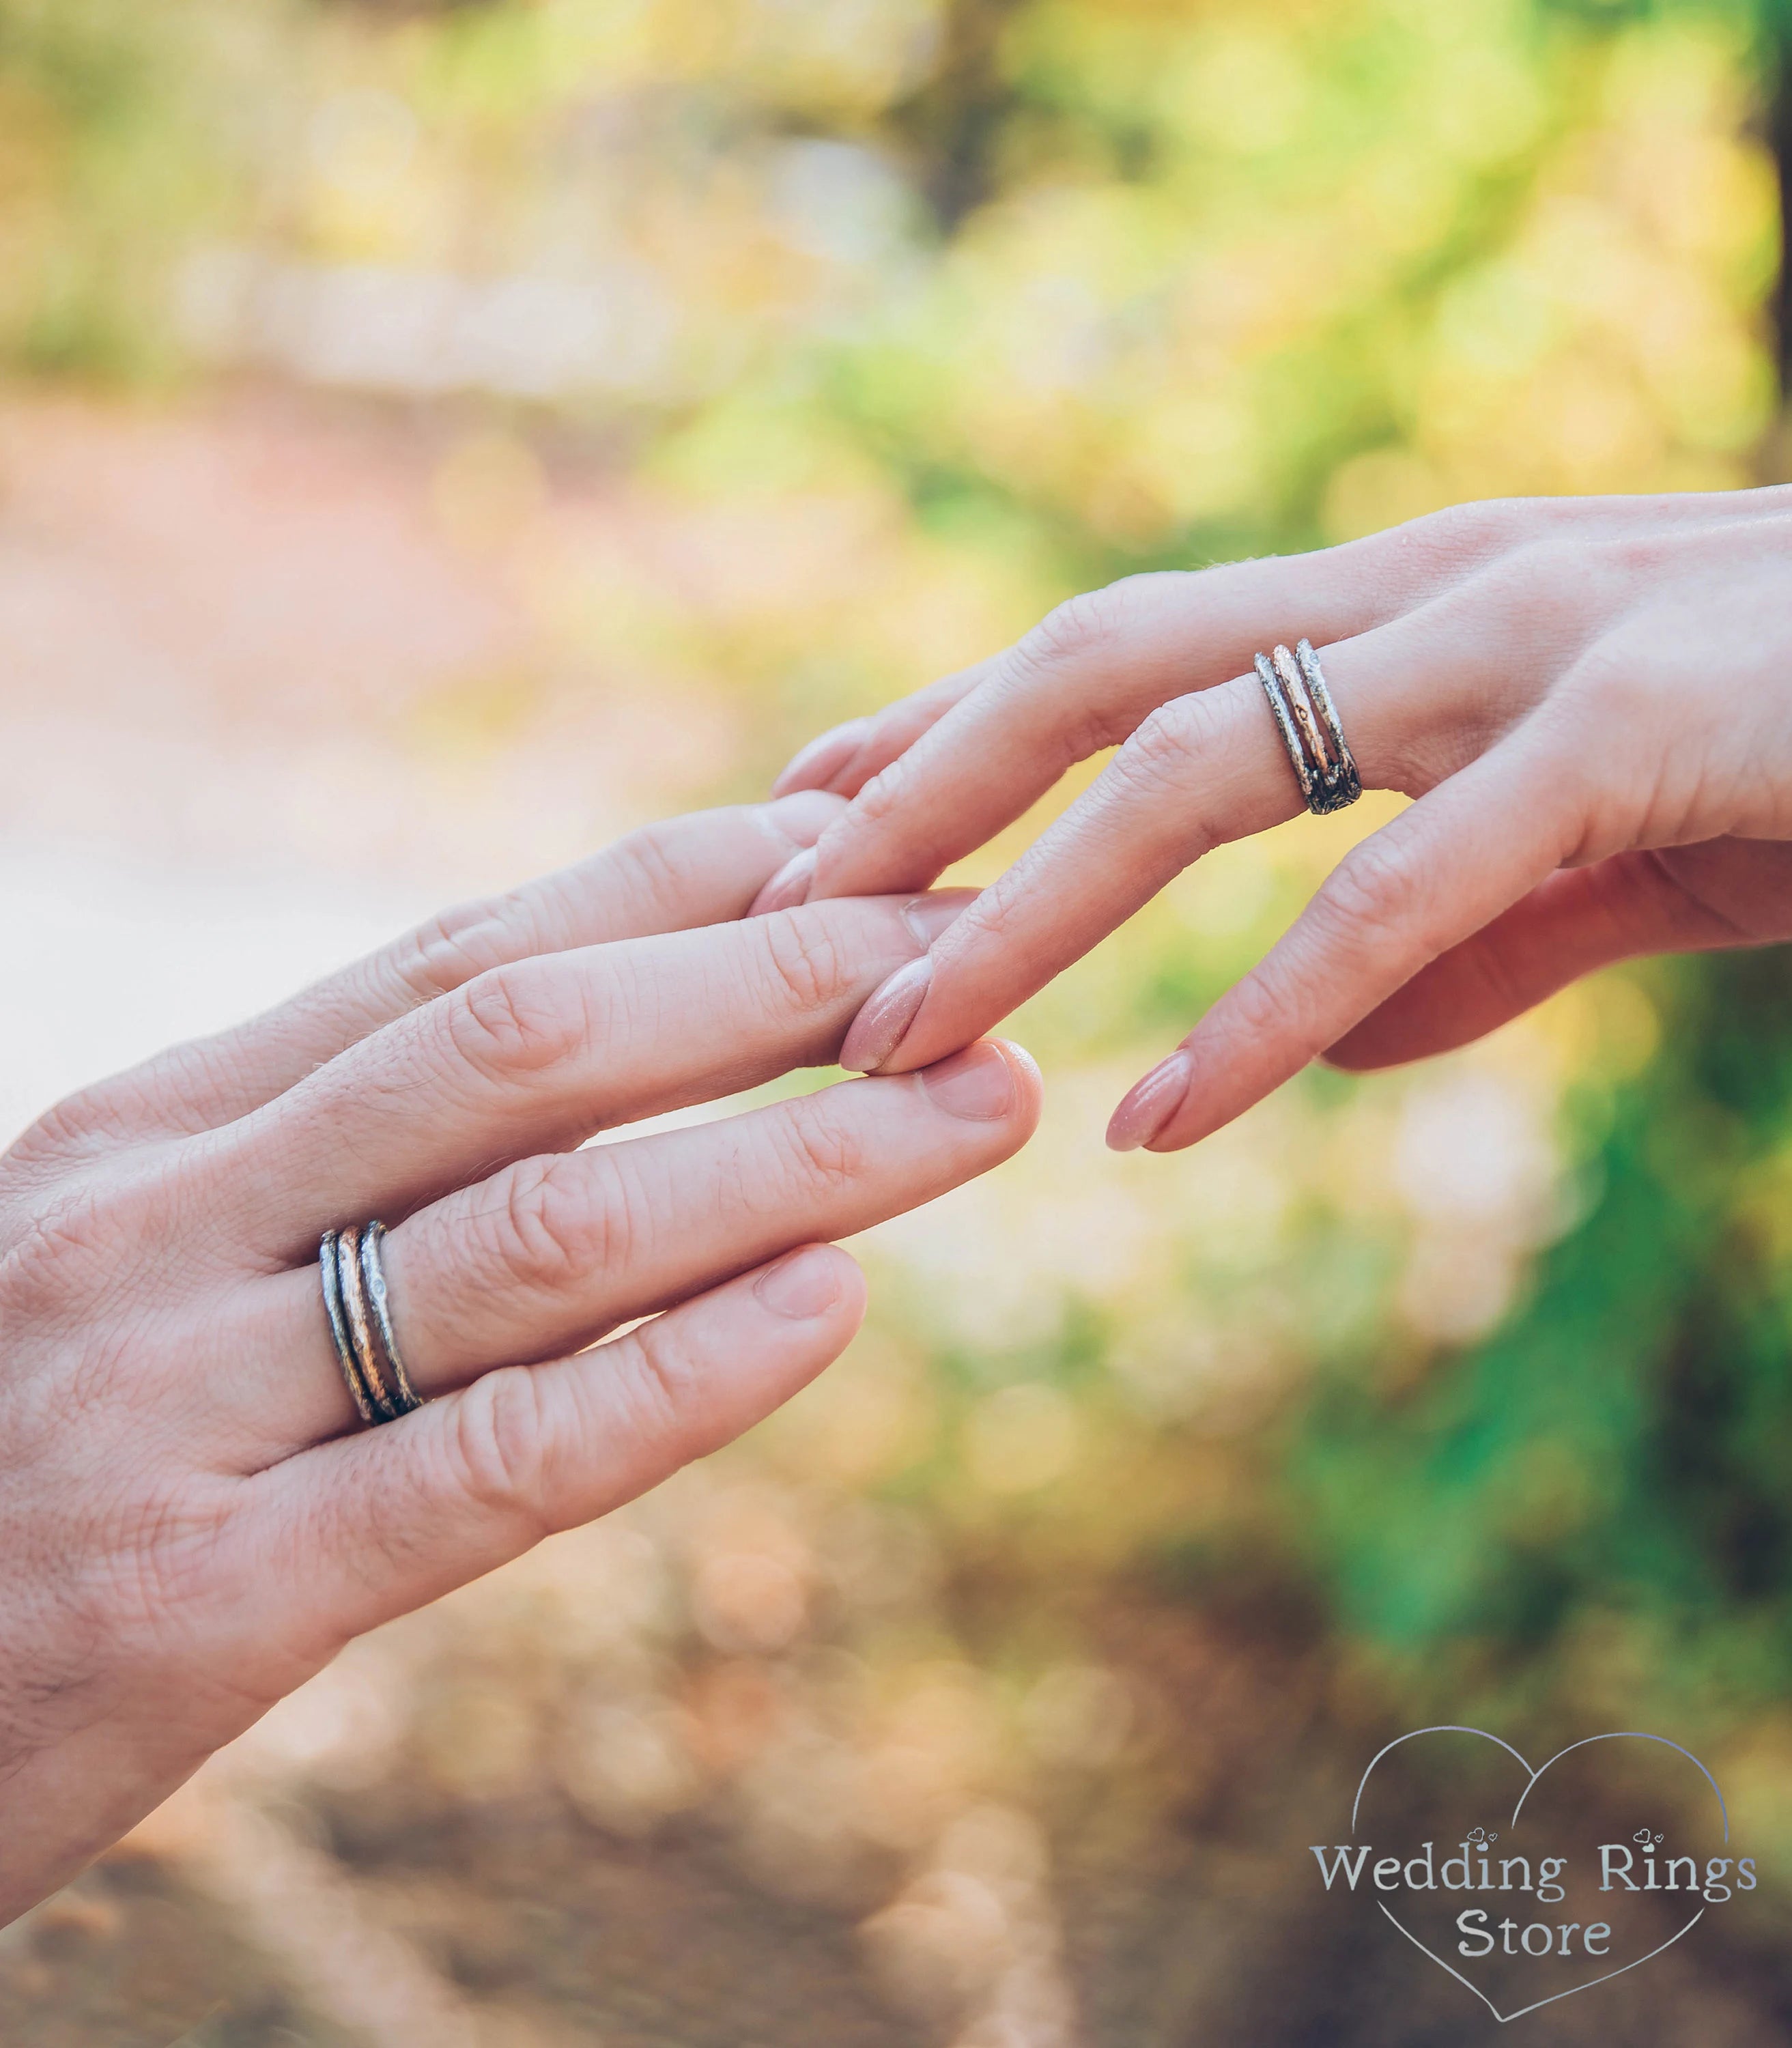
{"points": [[1324, 766], [360, 1317]]}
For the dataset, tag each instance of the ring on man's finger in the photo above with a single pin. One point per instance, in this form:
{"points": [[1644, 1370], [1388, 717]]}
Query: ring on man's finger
{"points": [[1305, 716], [360, 1316]]}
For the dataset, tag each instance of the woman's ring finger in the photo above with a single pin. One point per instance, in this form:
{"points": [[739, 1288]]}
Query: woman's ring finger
{"points": [[1308, 721]]}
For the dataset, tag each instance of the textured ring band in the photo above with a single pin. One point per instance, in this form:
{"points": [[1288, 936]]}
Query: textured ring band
{"points": [[360, 1323], [1308, 721], [372, 1275], [360, 1317], [333, 1308]]}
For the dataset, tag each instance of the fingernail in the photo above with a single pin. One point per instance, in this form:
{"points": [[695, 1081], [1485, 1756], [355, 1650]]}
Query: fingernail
{"points": [[929, 915], [787, 888], [977, 1083], [878, 1029], [801, 1284], [1151, 1105], [819, 763]]}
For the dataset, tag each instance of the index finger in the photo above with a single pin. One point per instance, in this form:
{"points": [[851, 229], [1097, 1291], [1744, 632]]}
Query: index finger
{"points": [[1204, 769], [1087, 676], [702, 869], [1082, 681], [537, 1055]]}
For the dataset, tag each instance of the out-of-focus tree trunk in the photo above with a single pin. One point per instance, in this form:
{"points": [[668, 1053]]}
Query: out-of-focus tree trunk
{"points": [[954, 122]]}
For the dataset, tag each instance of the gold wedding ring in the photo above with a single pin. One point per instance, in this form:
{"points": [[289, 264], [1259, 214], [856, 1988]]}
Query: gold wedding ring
{"points": [[1324, 765], [360, 1316]]}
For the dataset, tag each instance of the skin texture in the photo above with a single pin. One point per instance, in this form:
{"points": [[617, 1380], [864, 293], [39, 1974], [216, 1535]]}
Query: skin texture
{"points": [[192, 1520], [1587, 699]]}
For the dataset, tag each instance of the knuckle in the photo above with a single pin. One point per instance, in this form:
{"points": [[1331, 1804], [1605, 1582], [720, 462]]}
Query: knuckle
{"points": [[74, 1128], [1613, 771], [1465, 533], [1372, 891], [1620, 674], [1072, 658], [881, 798], [664, 1390], [512, 1021], [498, 1447], [560, 1221], [653, 859], [1282, 1004], [1617, 706], [804, 956], [1606, 681], [455, 945], [1262, 1005], [996, 913], [1622, 561], [51, 1260], [1542, 587], [1169, 742], [1089, 623], [1379, 912], [821, 1155]]}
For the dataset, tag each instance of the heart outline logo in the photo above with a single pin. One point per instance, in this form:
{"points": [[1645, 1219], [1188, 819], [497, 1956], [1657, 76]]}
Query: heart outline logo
{"points": [[1531, 1777]]}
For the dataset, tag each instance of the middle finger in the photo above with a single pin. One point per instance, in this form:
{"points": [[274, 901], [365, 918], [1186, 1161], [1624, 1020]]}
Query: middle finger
{"points": [[538, 1055]]}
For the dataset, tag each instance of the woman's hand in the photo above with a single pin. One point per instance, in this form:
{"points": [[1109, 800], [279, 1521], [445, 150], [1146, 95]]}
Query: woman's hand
{"points": [[1591, 701], [191, 1521]]}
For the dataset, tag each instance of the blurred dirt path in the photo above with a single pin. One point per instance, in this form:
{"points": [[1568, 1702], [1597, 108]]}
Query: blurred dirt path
{"points": [[277, 678], [268, 629]]}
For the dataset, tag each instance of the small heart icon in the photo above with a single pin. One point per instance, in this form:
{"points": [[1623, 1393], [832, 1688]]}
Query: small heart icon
{"points": [[1570, 1901]]}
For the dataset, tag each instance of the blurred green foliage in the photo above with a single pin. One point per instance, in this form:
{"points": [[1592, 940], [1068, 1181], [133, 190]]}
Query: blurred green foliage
{"points": [[101, 107]]}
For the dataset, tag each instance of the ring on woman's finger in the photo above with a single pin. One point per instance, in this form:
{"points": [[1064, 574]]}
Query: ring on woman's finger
{"points": [[360, 1316], [1324, 765]]}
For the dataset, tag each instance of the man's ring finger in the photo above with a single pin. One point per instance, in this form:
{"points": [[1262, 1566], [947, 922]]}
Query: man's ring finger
{"points": [[360, 1317]]}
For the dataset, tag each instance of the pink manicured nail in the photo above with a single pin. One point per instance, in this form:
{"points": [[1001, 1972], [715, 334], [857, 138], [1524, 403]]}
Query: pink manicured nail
{"points": [[787, 888], [879, 1028], [819, 763], [977, 1083], [929, 915], [1149, 1106], [801, 1284]]}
